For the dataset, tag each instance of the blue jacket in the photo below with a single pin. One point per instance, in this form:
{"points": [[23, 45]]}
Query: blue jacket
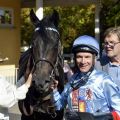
{"points": [[99, 94], [113, 70]]}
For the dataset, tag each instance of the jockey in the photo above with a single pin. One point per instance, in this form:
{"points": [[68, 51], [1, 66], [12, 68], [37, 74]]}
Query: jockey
{"points": [[89, 90]]}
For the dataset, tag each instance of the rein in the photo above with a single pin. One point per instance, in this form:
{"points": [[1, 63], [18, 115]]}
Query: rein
{"points": [[51, 108], [54, 67]]}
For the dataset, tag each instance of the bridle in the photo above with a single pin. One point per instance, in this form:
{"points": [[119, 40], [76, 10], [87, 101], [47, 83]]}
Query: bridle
{"points": [[52, 75], [54, 67]]}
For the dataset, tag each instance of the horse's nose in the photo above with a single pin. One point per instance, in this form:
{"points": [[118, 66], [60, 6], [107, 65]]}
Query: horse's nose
{"points": [[42, 84], [45, 83]]}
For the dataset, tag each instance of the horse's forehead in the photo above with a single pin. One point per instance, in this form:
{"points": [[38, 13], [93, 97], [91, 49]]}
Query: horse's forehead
{"points": [[49, 34], [45, 43]]}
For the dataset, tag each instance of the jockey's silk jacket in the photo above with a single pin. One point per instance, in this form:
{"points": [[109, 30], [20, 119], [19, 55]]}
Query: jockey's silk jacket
{"points": [[99, 94]]}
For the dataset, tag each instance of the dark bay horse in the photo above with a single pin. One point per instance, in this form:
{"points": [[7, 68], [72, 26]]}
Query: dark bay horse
{"points": [[45, 59]]}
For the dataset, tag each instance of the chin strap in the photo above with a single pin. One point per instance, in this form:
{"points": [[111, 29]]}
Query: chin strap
{"points": [[115, 115], [76, 83]]}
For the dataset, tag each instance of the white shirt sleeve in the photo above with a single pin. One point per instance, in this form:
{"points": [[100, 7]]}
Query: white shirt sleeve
{"points": [[10, 94]]}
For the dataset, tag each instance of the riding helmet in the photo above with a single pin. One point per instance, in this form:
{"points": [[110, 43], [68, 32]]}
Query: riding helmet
{"points": [[86, 43]]}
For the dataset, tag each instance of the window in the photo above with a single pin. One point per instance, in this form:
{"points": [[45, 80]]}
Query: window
{"points": [[6, 17]]}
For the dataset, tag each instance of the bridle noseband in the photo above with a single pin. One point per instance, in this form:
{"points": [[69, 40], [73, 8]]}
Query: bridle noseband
{"points": [[54, 71], [54, 67]]}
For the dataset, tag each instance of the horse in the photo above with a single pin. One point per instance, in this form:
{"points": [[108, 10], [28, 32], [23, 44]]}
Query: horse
{"points": [[46, 63]]}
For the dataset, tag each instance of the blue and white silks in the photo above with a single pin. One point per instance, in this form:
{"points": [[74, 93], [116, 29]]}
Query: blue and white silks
{"points": [[99, 93]]}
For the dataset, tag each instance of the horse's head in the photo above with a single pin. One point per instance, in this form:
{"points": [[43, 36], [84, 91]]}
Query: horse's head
{"points": [[45, 52], [45, 59]]}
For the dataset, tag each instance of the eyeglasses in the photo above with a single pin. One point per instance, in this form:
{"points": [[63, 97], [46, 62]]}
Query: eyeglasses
{"points": [[111, 44]]}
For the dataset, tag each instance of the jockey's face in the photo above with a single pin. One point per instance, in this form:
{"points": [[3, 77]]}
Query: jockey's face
{"points": [[84, 61]]}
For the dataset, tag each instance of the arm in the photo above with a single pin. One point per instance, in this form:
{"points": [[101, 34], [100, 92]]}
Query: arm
{"points": [[112, 94], [60, 100], [10, 94]]}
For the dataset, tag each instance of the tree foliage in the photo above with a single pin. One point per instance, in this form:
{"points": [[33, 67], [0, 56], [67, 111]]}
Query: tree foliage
{"points": [[74, 21], [109, 15], [26, 28]]}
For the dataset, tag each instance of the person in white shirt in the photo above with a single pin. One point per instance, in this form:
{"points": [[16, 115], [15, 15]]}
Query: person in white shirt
{"points": [[10, 94]]}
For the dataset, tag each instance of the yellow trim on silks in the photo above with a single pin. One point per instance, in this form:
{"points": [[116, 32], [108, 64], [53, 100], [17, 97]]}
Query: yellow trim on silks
{"points": [[82, 106]]}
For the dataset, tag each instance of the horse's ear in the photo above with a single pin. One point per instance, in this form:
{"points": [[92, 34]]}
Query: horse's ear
{"points": [[34, 18], [55, 18]]}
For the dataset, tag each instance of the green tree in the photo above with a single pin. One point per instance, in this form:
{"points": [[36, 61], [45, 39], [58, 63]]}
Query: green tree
{"points": [[109, 15], [26, 27], [74, 21]]}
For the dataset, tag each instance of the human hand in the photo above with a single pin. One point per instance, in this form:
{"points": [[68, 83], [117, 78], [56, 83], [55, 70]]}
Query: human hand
{"points": [[66, 68], [54, 85]]}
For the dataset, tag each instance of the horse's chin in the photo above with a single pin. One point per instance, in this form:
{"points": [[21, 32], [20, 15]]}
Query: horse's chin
{"points": [[25, 111], [46, 107]]}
